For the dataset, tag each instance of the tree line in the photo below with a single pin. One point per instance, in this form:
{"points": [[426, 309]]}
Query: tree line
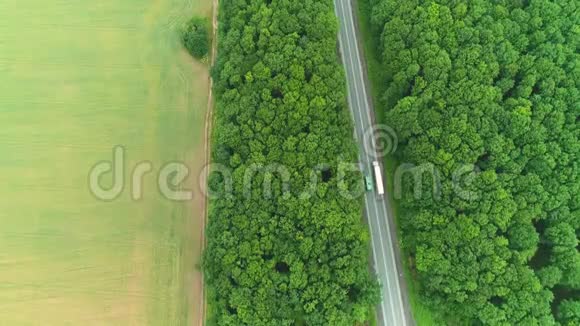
{"points": [[284, 259], [493, 85]]}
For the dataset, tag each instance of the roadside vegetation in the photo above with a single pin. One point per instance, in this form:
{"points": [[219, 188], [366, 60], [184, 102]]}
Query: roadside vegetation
{"points": [[421, 312], [283, 257], [488, 90]]}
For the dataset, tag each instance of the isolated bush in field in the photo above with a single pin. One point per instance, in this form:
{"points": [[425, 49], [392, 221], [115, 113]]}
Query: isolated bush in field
{"points": [[195, 37]]}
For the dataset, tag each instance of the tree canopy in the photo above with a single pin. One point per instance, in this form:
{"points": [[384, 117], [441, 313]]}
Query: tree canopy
{"points": [[195, 37], [492, 85], [283, 255], [569, 312]]}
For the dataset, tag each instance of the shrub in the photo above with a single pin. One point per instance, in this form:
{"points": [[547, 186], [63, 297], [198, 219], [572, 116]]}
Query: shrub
{"points": [[195, 37]]}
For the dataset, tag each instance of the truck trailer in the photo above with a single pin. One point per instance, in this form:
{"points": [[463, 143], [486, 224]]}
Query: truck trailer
{"points": [[378, 178]]}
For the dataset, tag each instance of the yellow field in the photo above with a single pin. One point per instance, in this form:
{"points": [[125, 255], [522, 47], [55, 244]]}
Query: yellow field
{"points": [[76, 79]]}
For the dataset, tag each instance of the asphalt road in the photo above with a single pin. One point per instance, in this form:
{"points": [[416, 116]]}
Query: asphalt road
{"points": [[394, 308]]}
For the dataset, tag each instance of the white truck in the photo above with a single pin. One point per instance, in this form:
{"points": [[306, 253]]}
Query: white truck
{"points": [[378, 178]]}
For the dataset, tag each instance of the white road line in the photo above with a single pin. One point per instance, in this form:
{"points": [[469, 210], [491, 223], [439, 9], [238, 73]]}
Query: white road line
{"points": [[360, 159], [351, 104], [366, 106], [387, 278]]}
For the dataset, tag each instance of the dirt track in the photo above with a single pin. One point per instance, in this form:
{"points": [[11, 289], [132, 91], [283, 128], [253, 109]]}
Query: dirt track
{"points": [[207, 149]]}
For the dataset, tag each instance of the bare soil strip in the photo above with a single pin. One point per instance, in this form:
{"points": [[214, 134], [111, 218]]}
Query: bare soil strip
{"points": [[207, 148]]}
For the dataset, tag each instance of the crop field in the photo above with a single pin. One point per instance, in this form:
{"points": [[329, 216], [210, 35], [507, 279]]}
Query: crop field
{"points": [[78, 78]]}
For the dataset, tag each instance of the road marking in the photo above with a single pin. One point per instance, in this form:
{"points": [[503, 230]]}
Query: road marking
{"points": [[360, 159], [386, 282], [387, 278], [398, 288], [351, 104], [357, 69]]}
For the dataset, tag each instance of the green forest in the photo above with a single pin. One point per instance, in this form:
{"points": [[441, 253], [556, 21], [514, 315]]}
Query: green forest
{"points": [[293, 255], [493, 86]]}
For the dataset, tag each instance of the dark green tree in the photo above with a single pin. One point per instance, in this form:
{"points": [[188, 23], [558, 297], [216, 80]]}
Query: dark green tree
{"points": [[569, 312], [195, 37]]}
